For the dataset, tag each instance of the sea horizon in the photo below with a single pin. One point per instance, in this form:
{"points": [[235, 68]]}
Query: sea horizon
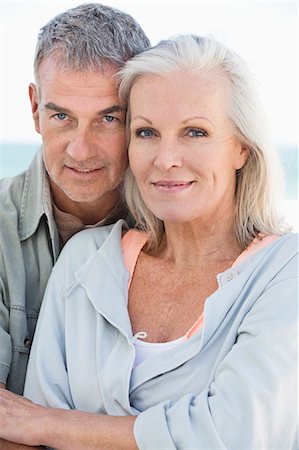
{"points": [[16, 157]]}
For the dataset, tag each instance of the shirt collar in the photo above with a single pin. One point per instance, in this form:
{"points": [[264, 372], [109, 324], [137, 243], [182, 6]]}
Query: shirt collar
{"points": [[105, 270], [68, 224], [36, 200]]}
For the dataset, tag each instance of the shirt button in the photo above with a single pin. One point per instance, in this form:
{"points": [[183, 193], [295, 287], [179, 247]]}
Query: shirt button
{"points": [[229, 276], [27, 342]]}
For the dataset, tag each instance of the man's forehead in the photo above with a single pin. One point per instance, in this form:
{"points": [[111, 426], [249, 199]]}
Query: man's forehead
{"points": [[50, 73]]}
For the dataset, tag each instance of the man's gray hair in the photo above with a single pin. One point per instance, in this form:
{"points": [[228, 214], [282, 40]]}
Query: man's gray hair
{"points": [[90, 37]]}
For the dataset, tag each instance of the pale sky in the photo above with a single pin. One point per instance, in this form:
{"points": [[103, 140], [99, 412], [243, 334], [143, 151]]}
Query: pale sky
{"points": [[264, 33]]}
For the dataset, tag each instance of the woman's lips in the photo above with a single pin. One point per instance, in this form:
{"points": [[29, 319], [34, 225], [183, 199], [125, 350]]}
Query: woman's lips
{"points": [[172, 186]]}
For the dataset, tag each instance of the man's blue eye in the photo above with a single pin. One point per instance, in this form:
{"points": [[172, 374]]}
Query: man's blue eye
{"points": [[109, 118], [60, 116]]}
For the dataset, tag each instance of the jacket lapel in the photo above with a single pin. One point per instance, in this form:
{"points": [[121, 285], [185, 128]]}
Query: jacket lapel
{"points": [[105, 281]]}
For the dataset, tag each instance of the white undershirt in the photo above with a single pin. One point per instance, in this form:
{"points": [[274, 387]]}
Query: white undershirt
{"points": [[145, 350]]}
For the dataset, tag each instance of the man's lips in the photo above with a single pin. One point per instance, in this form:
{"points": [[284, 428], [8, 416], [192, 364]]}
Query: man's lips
{"points": [[83, 172], [83, 168]]}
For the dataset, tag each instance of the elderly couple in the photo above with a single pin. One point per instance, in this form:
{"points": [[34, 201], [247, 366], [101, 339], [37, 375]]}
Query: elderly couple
{"points": [[173, 325]]}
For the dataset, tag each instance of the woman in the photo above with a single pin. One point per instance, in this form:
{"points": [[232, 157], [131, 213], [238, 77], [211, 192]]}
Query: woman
{"points": [[189, 321]]}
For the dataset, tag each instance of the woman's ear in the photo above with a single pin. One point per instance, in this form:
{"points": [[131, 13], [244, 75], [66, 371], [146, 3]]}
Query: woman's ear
{"points": [[242, 155], [33, 95]]}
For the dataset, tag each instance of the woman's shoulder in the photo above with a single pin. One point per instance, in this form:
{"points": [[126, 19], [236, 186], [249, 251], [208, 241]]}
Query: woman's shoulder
{"points": [[283, 245], [274, 256], [84, 244], [279, 259], [287, 243]]}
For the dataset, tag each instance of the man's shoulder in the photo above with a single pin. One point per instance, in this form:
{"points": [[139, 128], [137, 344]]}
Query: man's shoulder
{"points": [[11, 189], [11, 200], [24, 199]]}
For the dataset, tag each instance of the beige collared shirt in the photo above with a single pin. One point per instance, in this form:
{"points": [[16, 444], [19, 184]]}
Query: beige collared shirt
{"points": [[68, 224]]}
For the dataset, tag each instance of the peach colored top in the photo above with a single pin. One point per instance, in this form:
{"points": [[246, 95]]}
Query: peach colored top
{"points": [[134, 240]]}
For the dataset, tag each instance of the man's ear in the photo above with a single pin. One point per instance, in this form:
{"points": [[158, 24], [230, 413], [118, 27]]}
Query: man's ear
{"points": [[33, 94]]}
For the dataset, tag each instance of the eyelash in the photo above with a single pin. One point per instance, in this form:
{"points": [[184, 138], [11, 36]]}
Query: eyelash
{"points": [[202, 132], [60, 114], [106, 119], [110, 117], [141, 130]]}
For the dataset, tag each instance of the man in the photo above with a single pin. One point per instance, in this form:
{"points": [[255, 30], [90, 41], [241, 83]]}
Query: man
{"points": [[74, 181]]}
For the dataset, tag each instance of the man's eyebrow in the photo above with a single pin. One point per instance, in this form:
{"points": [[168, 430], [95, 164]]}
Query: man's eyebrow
{"points": [[53, 107], [111, 109]]}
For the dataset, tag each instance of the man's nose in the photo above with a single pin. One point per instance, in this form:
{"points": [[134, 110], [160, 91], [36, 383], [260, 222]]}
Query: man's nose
{"points": [[168, 154], [81, 146]]}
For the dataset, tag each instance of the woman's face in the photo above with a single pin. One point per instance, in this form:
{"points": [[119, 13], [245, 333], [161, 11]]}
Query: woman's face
{"points": [[183, 151]]}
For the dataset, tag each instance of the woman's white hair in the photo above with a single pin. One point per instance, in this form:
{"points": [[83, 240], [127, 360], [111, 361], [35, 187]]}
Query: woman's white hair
{"points": [[259, 182]]}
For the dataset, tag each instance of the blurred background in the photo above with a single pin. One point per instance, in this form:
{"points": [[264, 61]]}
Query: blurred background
{"points": [[264, 33]]}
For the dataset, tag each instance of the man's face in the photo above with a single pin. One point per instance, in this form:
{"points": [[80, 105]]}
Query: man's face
{"points": [[82, 125]]}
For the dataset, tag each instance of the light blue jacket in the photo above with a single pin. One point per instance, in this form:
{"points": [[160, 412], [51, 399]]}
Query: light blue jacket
{"points": [[231, 386]]}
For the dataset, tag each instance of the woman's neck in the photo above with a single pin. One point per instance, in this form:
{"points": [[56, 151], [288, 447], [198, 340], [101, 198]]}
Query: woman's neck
{"points": [[185, 244]]}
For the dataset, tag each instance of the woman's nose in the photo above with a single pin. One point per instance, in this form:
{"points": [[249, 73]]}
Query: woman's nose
{"points": [[168, 155]]}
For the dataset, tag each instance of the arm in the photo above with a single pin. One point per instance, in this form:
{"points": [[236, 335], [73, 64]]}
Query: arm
{"points": [[57, 428], [5, 445], [5, 340], [251, 401], [5, 345], [248, 404], [60, 429]]}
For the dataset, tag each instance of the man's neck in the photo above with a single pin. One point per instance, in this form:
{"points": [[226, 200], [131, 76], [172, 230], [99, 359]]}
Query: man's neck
{"points": [[89, 213]]}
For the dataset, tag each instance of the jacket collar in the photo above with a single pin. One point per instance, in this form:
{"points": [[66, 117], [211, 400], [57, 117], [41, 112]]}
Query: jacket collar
{"points": [[105, 279], [36, 202]]}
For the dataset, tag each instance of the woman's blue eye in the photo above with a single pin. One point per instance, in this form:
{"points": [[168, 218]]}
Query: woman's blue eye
{"points": [[144, 133], [196, 132]]}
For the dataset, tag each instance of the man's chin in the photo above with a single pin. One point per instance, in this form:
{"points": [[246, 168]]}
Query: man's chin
{"points": [[83, 198]]}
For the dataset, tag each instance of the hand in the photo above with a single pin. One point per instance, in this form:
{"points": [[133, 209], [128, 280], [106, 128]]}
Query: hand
{"points": [[19, 419]]}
